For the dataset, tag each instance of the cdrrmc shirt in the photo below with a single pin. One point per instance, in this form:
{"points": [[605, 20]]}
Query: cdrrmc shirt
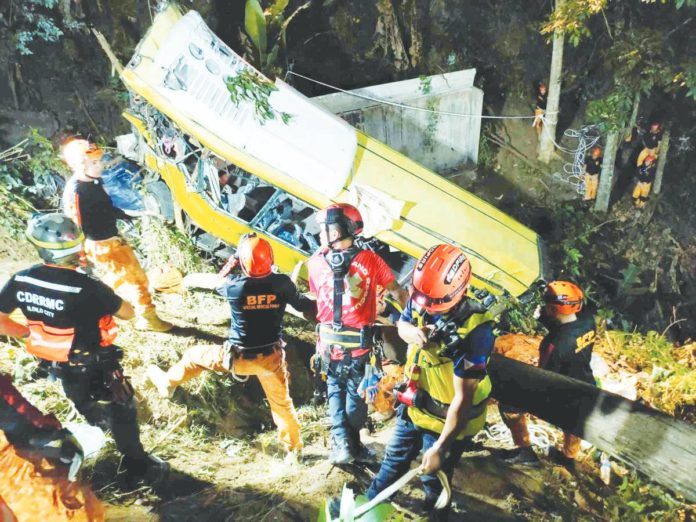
{"points": [[60, 300]]}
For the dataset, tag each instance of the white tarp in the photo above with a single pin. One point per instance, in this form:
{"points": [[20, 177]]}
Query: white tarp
{"points": [[315, 147], [379, 210]]}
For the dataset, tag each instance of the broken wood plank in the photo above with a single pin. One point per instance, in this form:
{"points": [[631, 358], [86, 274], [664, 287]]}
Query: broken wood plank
{"points": [[652, 442]]}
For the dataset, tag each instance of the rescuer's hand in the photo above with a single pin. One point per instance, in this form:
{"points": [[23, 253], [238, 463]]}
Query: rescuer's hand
{"points": [[432, 461], [412, 334], [295, 276]]}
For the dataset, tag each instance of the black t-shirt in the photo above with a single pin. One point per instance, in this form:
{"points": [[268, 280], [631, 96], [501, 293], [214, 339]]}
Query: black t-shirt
{"points": [[91, 206], [257, 305], [652, 139], [593, 166], [645, 173], [61, 298], [541, 100], [567, 348]]}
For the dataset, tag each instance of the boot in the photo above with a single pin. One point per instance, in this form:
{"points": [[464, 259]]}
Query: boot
{"points": [[160, 380], [524, 456], [150, 321], [147, 468], [340, 454]]}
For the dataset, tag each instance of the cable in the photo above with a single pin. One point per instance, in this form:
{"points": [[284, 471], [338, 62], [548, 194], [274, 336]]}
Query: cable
{"points": [[410, 107], [573, 173], [541, 436]]}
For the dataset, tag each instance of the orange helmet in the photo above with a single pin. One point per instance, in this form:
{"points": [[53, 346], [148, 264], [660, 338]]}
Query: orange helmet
{"points": [[596, 151], [255, 255], [564, 297], [441, 278], [649, 159], [342, 214], [76, 150]]}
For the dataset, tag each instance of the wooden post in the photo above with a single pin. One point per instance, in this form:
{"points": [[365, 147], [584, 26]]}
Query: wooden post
{"points": [[648, 440], [661, 160], [548, 132], [606, 178]]}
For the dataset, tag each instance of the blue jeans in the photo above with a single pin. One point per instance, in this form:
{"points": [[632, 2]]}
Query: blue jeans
{"points": [[347, 409], [406, 444]]}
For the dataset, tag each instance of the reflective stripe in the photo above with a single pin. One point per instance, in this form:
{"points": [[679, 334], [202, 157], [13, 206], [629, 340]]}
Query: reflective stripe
{"points": [[345, 338], [108, 330], [49, 343], [46, 284]]}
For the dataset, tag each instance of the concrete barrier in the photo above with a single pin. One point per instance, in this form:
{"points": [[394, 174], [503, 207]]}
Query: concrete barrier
{"points": [[440, 142]]}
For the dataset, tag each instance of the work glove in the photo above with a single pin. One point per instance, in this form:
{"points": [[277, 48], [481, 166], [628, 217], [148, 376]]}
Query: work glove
{"points": [[368, 386], [231, 264], [60, 446]]}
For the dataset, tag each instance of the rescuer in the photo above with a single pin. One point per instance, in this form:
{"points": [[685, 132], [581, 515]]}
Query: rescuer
{"points": [[645, 175], [257, 299], [88, 204], [540, 107], [566, 349], [593, 166], [345, 281], [443, 402], [39, 462], [71, 329], [651, 142]]}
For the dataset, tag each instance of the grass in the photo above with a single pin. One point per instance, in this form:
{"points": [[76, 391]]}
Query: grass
{"points": [[671, 385]]}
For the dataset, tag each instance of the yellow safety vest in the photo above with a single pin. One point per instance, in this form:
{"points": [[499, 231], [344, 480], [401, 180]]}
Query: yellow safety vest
{"points": [[436, 378]]}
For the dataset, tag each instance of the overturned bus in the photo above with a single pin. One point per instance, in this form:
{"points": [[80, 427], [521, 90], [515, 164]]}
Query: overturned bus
{"points": [[231, 173]]}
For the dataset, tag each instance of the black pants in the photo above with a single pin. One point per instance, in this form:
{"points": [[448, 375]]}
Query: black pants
{"points": [[86, 387]]}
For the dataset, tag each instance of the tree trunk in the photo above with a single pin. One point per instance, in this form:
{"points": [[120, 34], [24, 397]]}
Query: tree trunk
{"points": [[388, 35], [661, 160], [648, 440], [634, 117], [548, 134], [606, 178]]}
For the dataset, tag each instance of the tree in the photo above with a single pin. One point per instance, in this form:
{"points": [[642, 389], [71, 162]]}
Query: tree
{"points": [[569, 18]]}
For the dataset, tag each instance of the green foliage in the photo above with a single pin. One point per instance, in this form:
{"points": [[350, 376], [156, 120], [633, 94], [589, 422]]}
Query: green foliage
{"points": [[34, 20], [267, 30], [380, 513], [248, 86], [255, 27], [639, 502], [425, 87], [611, 112], [571, 16], [486, 153]]}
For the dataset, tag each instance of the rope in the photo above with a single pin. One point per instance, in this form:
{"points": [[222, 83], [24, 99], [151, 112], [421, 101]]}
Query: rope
{"points": [[541, 436], [409, 107], [573, 173]]}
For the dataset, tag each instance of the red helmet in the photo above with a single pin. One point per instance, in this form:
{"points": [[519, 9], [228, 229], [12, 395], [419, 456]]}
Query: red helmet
{"points": [[441, 278], [342, 214], [564, 297], [255, 256]]}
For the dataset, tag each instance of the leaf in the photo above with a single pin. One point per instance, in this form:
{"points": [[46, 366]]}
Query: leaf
{"points": [[378, 513], [277, 8], [255, 26]]}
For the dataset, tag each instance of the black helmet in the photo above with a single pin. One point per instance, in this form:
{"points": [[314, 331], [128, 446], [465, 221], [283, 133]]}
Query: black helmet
{"points": [[56, 237]]}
